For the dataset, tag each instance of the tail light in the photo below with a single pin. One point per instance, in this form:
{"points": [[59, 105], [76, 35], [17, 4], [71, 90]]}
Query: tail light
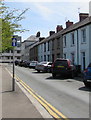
{"points": [[52, 65], [69, 66], [85, 70]]}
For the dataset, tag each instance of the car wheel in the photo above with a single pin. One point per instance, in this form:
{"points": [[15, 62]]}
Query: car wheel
{"points": [[72, 75], [38, 71], [87, 84], [48, 70], [53, 75]]}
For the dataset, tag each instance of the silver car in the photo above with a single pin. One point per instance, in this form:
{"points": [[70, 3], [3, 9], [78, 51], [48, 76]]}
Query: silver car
{"points": [[33, 64], [44, 66]]}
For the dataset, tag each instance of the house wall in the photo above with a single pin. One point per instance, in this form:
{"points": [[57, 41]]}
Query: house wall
{"points": [[45, 54], [69, 48], [57, 50], [26, 45], [84, 47], [89, 41], [79, 47]]}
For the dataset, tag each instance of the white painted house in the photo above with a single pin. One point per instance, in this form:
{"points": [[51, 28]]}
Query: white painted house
{"points": [[77, 43], [43, 51]]}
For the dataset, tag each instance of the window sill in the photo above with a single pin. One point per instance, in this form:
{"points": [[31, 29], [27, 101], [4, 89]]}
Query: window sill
{"points": [[83, 42], [72, 45]]}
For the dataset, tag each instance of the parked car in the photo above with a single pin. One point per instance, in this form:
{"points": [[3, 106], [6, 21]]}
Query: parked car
{"points": [[87, 76], [17, 62], [21, 63], [26, 63], [49, 67], [44, 66], [33, 64], [63, 67]]}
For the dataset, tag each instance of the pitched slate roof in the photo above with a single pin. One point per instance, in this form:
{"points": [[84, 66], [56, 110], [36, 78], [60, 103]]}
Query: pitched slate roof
{"points": [[78, 25], [66, 30]]}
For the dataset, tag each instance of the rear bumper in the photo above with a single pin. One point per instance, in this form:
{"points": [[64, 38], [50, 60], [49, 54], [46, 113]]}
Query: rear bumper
{"points": [[41, 69], [86, 77], [61, 72], [89, 81]]}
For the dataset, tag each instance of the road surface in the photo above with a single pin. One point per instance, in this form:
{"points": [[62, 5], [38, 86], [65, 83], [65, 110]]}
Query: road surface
{"points": [[69, 96]]}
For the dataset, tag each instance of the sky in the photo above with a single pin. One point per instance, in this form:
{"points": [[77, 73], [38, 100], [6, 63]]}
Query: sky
{"points": [[45, 15]]}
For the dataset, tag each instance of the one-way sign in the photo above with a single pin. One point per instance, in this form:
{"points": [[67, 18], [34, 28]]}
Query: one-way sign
{"points": [[14, 41]]}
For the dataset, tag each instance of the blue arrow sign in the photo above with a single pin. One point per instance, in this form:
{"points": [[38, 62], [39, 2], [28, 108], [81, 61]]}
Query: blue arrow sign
{"points": [[14, 42]]}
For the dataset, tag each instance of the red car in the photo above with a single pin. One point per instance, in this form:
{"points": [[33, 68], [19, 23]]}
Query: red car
{"points": [[63, 67]]}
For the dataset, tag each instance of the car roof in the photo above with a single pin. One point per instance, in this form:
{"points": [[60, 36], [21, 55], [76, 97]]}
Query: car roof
{"points": [[45, 62], [62, 59]]}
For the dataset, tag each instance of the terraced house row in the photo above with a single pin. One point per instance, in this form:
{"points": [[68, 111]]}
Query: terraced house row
{"points": [[73, 42]]}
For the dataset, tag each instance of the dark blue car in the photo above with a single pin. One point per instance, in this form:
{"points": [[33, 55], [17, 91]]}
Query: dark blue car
{"points": [[87, 76]]}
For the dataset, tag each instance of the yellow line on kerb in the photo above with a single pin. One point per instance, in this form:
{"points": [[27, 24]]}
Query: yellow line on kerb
{"points": [[49, 110], [53, 111]]}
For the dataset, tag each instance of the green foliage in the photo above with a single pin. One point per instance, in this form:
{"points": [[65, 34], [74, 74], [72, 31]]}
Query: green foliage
{"points": [[9, 25], [7, 33]]}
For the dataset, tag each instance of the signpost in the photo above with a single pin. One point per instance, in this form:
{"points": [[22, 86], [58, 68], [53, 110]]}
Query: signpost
{"points": [[14, 43]]}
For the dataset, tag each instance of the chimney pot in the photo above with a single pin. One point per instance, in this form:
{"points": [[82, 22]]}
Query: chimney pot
{"points": [[68, 24], [51, 33], [59, 28], [41, 38], [83, 16]]}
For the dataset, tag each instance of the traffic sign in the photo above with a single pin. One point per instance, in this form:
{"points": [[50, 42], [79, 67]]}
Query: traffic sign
{"points": [[14, 42]]}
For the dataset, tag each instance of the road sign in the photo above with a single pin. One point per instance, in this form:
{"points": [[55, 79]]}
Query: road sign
{"points": [[14, 42]]}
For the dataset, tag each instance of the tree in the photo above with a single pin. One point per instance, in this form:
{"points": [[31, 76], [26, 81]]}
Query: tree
{"points": [[9, 25]]}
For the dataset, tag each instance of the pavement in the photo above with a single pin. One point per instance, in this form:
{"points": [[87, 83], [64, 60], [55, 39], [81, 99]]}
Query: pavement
{"points": [[16, 104]]}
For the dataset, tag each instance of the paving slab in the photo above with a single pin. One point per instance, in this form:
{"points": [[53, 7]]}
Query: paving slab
{"points": [[15, 104]]}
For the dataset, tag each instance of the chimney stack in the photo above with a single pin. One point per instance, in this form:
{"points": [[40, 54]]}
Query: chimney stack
{"points": [[38, 34], [41, 38], [68, 24], [59, 28], [83, 16], [51, 33]]}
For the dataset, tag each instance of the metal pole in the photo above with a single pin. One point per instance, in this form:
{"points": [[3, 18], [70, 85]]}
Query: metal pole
{"points": [[13, 79]]}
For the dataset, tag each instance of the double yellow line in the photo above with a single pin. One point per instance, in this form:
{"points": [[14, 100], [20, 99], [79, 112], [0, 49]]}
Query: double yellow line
{"points": [[53, 111]]}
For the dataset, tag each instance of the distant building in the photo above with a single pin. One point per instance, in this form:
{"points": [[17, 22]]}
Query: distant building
{"points": [[7, 56], [26, 44]]}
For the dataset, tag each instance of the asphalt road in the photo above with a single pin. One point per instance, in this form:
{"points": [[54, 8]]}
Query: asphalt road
{"points": [[69, 96]]}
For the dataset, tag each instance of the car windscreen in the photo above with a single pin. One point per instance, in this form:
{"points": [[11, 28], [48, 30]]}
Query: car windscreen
{"points": [[50, 63], [61, 63], [43, 63], [34, 62]]}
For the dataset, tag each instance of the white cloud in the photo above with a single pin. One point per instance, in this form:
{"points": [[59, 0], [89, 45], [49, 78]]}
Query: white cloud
{"points": [[90, 8], [43, 10], [47, 0]]}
